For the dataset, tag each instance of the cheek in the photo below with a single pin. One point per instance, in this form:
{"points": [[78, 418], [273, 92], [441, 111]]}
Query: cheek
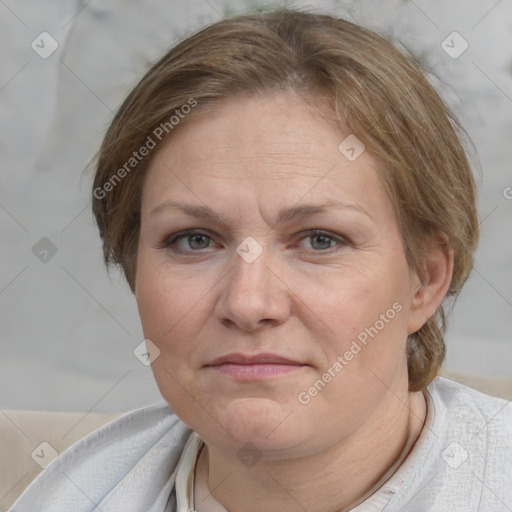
{"points": [[174, 306], [163, 298], [352, 300], [365, 347], [161, 305], [169, 310], [366, 314]]}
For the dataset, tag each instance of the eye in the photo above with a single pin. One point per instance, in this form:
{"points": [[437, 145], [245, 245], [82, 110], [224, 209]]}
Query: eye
{"points": [[187, 241], [323, 240], [197, 241]]}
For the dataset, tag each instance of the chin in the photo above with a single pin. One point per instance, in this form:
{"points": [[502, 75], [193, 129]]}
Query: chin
{"points": [[264, 422]]}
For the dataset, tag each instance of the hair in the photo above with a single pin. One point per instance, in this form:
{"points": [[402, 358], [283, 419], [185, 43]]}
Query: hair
{"points": [[378, 93]]}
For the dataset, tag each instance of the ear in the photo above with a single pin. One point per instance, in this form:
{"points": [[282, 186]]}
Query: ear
{"points": [[431, 287]]}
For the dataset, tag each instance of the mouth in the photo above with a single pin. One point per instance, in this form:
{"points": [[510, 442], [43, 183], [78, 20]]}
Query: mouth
{"points": [[255, 367]]}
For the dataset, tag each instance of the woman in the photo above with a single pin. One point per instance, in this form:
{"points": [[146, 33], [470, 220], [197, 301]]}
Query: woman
{"points": [[291, 205]]}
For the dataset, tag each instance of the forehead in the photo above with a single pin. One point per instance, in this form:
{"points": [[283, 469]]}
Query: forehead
{"points": [[260, 127], [276, 148]]}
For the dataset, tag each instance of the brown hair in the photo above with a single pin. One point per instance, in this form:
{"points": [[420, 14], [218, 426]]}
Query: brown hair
{"points": [[382, 96]]}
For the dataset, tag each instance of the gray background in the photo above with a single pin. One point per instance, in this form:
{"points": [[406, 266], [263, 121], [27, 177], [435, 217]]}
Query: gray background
{"points": [[68, 329]]}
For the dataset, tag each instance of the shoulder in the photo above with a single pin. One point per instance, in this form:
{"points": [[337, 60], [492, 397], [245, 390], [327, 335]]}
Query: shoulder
{"points": [[473, 427], [464, 460], [139, 449], [467, 411], [138, 430]]}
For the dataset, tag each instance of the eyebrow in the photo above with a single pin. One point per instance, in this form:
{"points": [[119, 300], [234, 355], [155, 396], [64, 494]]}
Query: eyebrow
{"points": [[285, 215]]}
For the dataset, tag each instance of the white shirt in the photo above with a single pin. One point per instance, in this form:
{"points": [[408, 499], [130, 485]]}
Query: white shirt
{"points": [[442, 450], [193, 493], [145, 461]]}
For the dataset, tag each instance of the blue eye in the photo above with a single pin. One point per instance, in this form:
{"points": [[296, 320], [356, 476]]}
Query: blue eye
{"points": [[323, 240], [196, 240]]}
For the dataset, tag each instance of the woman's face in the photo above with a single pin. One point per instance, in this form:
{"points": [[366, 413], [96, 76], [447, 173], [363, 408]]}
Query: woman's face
{"points": [[287, 246]]}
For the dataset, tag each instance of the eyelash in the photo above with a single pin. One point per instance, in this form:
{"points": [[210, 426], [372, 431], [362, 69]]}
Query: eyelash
{"points": [[172, 240]]}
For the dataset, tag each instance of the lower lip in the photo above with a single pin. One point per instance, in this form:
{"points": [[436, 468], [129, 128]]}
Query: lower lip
{"points": [[256, 371]]}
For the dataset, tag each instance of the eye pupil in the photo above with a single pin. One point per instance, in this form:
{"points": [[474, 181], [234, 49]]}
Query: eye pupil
{"points": [[200, 238], [325, 241]]}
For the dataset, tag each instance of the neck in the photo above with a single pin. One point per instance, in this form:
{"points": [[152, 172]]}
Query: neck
{"points": [[336, 479]]}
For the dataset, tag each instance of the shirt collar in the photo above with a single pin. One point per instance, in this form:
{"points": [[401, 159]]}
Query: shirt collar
{"points": [[192, 492]]}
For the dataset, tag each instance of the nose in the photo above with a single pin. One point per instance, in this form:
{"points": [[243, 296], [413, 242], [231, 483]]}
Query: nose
{"points": [[254, 295]]}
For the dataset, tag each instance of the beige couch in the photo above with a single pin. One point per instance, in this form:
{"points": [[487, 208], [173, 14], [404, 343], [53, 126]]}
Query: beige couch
{"points": [[30, 440]]}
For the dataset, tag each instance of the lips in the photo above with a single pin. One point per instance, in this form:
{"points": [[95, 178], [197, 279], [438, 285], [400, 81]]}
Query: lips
{"points": [[251, 359], [255, 367]]}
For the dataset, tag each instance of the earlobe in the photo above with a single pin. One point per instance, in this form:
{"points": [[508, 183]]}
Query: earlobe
{"points": [[432, 286]]}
